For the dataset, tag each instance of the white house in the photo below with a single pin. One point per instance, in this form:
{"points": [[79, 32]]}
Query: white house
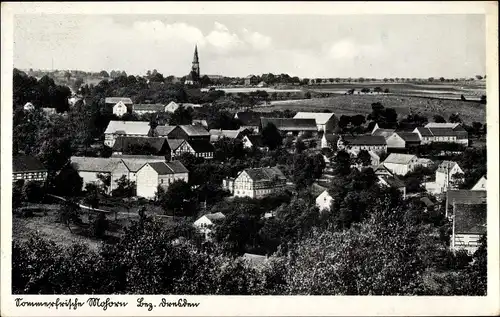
{"points": [[401, 164], [324, 201], [445, 172], [206, 222], [402, 140], [152, 175], [445, 134], [125, 128], [324, 121], [114, 100], [171, 107], [258, 182], [119, 109], [254, 141], [481, 184]]}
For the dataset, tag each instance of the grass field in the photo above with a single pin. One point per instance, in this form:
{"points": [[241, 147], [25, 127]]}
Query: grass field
{"points": [[361, 104]]}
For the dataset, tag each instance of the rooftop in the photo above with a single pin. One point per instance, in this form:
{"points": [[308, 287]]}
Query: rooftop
{"points": [[157, 107], [470, 218], [26, 163], [320, 117], [256, 140], [115, 100], [128, 127], [265, 173], [194, 130], [290, 124], [364, 140], [122, 144], [166, 168], [201, 146], [398, 158], [465, 196]]}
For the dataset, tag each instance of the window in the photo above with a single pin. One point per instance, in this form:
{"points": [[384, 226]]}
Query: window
{"points": [[161, 180]]}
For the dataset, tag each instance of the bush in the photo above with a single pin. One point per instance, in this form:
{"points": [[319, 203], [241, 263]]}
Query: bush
{"points": [[33, 192]]}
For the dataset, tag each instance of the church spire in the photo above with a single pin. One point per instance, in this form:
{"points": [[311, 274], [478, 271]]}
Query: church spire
{"points": [[195, 57]]}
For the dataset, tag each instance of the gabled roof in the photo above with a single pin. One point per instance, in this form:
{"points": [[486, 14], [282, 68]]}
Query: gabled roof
{"points": [[392, 181], [465, 196], [166, 168], [320, 117], [250, 118], [446, 166], [265, 173], [470, 218], [363, 140], [164, 130], [382, 170], [216, 134], [250, 76], [203, 123], [123, 143], [115, 100], [120, 104], [256, 140], [480, 184], [157, 107], [215, 216], [409, 136], [441, 125], [290, 124], [201, 146], [173, 104], [383, 132], [26, 163], [397, 158], [94, 164], [174, 143], [194, 130], [443, 132], [254, 259], [128, 127], [135, 164]]}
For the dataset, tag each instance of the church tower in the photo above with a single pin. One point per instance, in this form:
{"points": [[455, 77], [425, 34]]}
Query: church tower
{"points": [[195, 68]]}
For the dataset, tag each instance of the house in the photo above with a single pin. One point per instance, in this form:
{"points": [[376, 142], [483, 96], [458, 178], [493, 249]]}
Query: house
{"points": [[125, 128], [114, 100], [354, 144], [250, 80], [401, 164], [445, 134], [325, 122], [445, 172], [481, 184], [262, 84], [173, 145], [141, 109], [250, 120], [130, 145], [228, 184], [28, 106], [171, 107], [203, 123], [374, 158], [291, 126], [206, 222], [254, 142], [199, 148], [469, 225], [382, 170], [119, 109], [154, 174], [327, 140], [258, 182], [189, 132], [464, 196], [162, 131], [402, 140], [217, 134], [392, 181], [324, 201], [382, 132], [27, 168], [116, 166]]}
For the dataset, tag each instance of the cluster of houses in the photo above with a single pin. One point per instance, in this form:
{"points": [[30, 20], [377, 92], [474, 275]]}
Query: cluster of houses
{"points": [[123, 105]]}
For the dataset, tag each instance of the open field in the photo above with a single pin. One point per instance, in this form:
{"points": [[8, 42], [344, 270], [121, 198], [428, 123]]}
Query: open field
{"points": [[251, 89], [361, 104]]}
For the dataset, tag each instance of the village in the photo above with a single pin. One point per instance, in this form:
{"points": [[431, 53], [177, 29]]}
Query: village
{"points": [[207, 171]]}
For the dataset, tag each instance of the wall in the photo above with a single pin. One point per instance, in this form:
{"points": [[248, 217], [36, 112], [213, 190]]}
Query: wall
{"points": [[469, 242], [395, 142], [147, 182], [399, 169]]}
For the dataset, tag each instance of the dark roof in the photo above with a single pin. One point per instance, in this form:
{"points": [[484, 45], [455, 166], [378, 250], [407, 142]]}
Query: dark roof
{"points": [[427, 201], [256, 140], [409, 136], [424, 131], [215, 216], [174, 143], [148, 107], [115, 100], [164, 168], [290, 124], [201, 146], [26, 163], [383, 132], [164, 130], [461, 196], [364, 140], [393, 181], [460, 133], [194, 130], [250, 118], [122, 143], [470, 218], [265, 173]]}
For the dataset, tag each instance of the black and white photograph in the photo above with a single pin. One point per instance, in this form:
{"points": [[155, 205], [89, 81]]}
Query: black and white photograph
{"points": [[249, 154]]}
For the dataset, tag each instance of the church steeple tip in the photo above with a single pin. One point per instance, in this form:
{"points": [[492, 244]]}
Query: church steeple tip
{"points": [[195, 57]]}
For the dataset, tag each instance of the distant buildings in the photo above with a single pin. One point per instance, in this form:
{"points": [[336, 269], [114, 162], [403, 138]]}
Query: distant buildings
{"points": [[354, 144], [119, 109], [114, 100], [27, 168], [197, 147], [325, 122], [442, 132], [256, 182], [193, 77], [402, 140], [217, 134], [251, 80], [249, 120], [141, 109], [291, 126]]}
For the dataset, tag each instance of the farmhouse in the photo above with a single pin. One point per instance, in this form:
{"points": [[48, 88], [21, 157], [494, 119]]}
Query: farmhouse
{"points": [[291, 126], [481, 184], [249, 120], [324, 201], [325, 122], [27, 168], [402, 140], [114, 100], [401, 164], [250, 80], [199, 148], [469, 225], [433, 134], [120, 109], [125, 128], [206, 222], [154, 174], [254, 142], [141, 109], [258, 182], [464, 196], [189, 132], [135, 145], [173, 145], [354, 144]]}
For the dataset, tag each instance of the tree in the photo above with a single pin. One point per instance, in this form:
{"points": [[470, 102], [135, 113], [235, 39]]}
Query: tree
{"points": [[99, 226], [307, 95], [364, 158], [176, 196], [181, 116], [124, 188], [455, 118], [479, 77], [271, 136], [386, 90], [441, 79], [439, 119], [68, 182], [33, 191], [69, 213], [483, 99], [342, 163], [377, 90], [104, 74], [431, 79]]}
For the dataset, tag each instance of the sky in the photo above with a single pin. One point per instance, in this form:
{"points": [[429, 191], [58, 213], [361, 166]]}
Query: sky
{"points": [[310, 46]]}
